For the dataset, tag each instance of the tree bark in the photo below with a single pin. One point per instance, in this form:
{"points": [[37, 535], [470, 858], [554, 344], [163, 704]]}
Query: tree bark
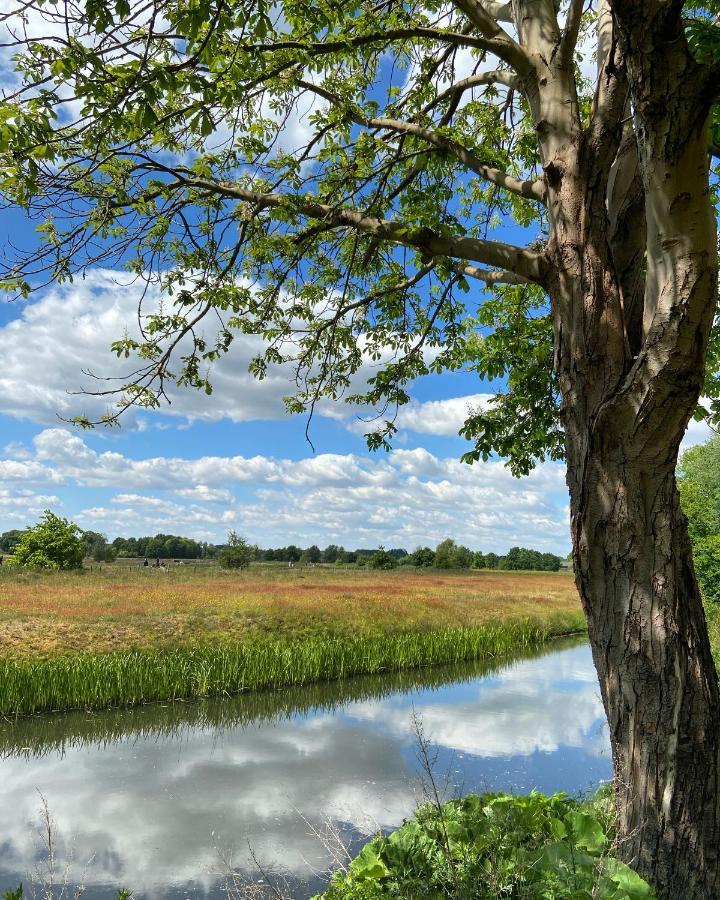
{"points": [[629, 384], [651, 649]]}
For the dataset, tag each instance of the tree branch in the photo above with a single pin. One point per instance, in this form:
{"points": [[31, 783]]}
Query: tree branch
{"points": [[530, 189], [320, 48], [497, 76], [491, 276], [526, 263], [572, 29], [504, 46], [501, 12]]}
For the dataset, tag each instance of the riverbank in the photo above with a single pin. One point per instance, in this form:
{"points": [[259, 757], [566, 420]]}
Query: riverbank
{"points": [[115, 638]]}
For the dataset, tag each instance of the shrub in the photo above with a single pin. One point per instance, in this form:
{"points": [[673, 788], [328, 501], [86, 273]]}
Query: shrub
{"points": [[381, 559], [492, 846], [53, 543], [238, 554]]}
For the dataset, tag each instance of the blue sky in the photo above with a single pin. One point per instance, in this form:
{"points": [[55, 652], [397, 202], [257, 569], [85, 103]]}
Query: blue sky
{"points": [[236, 459]]}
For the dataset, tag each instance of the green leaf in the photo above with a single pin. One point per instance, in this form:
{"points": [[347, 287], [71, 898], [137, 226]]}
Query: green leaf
{"points": [[627, 880], [367, 865]]}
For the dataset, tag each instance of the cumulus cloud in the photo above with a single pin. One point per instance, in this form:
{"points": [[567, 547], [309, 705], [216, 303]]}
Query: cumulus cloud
{"points": [[404, 498], [68, 330]]}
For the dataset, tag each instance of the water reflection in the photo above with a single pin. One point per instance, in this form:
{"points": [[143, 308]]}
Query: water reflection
{"points": [[157, 795]]}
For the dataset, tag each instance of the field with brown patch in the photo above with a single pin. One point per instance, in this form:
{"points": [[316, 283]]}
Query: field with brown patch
{"points": [[121, 608]]}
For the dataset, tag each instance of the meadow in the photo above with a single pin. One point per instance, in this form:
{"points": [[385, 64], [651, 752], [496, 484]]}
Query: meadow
{"points": [[121, 635]]}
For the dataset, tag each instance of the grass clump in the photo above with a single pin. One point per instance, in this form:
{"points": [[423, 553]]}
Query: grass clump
{"points": [[94, 681], [496, 846]]}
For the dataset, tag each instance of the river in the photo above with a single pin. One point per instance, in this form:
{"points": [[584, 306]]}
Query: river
{"points": [[169, 799]]}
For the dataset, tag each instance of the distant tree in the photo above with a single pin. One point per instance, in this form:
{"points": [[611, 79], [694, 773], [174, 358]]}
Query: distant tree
{"points": [[331, 553], [238, 554], [492, 561], [423, 557], [699, 485], [398, 553], [449, 555], [53, 543], [445, 554], [381, 559], [312, 554], [478, 560], [463, 557], [8, 540], [97, 547]]}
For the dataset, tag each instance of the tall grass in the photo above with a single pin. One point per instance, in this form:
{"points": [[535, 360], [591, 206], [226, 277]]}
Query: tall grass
{"points": [[95, 681]]}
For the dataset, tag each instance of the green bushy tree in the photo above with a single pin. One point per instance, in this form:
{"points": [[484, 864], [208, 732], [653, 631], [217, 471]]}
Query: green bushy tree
{"points": [[53, 543], [423, 557], [238, 554], [699, 486], [381, 559]]}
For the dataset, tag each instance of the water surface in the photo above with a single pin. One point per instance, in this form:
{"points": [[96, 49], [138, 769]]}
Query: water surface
{"points": [[165, 799]]}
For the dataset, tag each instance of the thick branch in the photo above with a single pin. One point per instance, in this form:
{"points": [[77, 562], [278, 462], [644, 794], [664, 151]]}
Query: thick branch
{"points": [[503, 45], [497, 76], [528, 264], [627, 233], [320, 48], [491, 276], [572, 29], [501, 12]]}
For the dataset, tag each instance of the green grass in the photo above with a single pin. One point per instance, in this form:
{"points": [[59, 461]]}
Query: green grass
{"points": [[95, 681]]}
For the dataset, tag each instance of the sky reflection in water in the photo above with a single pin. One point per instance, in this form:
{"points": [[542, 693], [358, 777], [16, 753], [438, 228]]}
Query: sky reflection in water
{"points": [[158, 796]]}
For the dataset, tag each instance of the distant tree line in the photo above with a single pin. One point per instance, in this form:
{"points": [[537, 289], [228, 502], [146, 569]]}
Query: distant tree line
{"points": [[447, 555], [450, 555]]}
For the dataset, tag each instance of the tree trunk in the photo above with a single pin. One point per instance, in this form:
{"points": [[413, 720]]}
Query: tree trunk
{"points": [[652, 653]]}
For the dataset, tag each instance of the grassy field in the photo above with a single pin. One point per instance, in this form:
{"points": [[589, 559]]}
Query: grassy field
{"points": [[120, 609], [123, 636]]}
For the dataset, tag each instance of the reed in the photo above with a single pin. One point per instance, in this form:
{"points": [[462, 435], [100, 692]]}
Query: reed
{"points": [[95, 681]]}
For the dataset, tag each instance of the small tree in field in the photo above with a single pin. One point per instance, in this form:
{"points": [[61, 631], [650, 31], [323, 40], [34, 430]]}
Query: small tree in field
{"points": [[53, 543], [238, 554], [381, 559]]}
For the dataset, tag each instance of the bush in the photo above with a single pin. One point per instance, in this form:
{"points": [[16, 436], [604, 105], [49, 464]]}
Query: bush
{"points": [[53, 543], [492, 846], [381, 559], [238, 554]]}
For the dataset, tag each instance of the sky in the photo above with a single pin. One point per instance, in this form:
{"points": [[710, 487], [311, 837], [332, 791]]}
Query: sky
{"points": [[236, 460]]}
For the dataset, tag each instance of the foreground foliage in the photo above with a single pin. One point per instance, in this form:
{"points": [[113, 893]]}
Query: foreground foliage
{"points": [[496, 846]]}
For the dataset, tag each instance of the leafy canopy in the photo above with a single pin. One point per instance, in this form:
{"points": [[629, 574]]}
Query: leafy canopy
{"points": [[328, 176], [699, 485]]}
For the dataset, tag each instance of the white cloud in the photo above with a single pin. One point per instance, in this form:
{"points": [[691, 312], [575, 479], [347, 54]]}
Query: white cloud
{"points": [[404, 498], [68, 330]]}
